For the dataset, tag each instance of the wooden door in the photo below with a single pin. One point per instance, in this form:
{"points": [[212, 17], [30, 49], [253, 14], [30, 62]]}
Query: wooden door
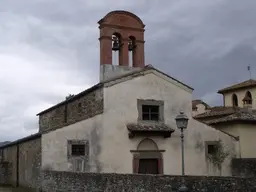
{"points": [[148, 166]]}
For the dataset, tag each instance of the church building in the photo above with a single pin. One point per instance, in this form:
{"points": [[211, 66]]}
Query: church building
{"points": [[125, 123]]}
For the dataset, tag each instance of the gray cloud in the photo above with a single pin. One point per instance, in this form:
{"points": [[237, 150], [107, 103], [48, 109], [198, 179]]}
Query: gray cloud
{"points": [[49, 49]]}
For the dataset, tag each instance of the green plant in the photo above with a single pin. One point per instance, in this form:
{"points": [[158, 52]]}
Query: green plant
{"points": [[219, 155]]}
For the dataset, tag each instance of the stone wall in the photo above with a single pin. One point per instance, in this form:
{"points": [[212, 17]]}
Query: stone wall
{"points": [[4, 172], [245, 167], [30, 163], [71, 181], [77, 108], [24, 158], [10, 156]]}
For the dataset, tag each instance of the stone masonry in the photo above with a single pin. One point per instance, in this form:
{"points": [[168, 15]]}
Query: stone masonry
{"points": [[245, 167], [24, 162], [80, 182], [78, 108]]}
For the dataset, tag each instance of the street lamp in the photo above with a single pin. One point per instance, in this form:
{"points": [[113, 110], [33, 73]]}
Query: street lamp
{"points": [[182, 123]]}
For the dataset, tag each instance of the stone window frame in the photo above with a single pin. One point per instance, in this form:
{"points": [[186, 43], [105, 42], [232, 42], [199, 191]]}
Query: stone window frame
{"points": [[207, 143], [147, 154], [159, 103], [78, 142]]}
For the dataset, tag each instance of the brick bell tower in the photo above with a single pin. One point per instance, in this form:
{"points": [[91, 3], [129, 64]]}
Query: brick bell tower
{"points": [[121, 35]]}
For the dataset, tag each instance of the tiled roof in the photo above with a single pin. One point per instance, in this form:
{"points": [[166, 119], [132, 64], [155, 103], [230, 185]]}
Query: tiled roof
{"points": [[149, 127], [246, 116], [226, 114], [245, 84], [217, 111], [198, 101]]}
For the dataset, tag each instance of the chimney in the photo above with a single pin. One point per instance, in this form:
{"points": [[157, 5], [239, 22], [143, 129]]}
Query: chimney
{"points": [[121, 35]]}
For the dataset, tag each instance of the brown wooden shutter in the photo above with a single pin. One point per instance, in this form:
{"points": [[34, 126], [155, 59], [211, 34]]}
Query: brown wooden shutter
{"points": [[136, 164], [160, 166]]}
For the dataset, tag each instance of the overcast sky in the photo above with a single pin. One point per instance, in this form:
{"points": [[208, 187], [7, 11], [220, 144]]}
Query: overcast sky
{"points": [[50, 48]]}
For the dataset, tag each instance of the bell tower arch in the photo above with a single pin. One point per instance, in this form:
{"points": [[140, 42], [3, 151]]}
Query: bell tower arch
{"points": [[122, 32]]}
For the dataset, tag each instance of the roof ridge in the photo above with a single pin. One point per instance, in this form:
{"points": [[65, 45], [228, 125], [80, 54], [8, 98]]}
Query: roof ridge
{"points": [[243, 84]]}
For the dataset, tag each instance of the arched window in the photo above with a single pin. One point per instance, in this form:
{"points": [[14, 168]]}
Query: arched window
{"points": [[248, 98], [234, 100], [132, 49], [116, 48]]}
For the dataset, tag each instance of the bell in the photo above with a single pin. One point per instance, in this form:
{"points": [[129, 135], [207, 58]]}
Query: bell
{"points": [[130, 46], [116, 46]]}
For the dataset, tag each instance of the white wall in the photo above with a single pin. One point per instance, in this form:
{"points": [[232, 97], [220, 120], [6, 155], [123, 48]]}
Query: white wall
{"points": [[200, 109], [108, 136], [54, 144], [116, 146]]}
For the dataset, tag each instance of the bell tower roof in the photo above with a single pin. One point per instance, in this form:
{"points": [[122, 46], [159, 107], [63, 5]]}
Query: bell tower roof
{"points": [[111, 18]]}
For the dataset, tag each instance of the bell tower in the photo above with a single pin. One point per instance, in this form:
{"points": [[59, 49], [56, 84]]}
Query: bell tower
{"points": [[121, 44]]}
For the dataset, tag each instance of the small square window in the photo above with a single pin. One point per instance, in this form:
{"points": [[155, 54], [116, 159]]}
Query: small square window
{"points": [[78, 150], [211, 149], [150, 112]]}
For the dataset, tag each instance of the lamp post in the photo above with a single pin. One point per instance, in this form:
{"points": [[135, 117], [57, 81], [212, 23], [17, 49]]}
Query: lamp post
{"points": [[182, 123]]}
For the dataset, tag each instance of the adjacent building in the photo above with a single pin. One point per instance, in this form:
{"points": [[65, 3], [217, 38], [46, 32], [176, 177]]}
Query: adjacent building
{"points": [[237, 117]]}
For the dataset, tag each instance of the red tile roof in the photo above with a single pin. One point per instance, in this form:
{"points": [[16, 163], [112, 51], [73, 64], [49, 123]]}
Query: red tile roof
{"points": [[245, 84], [245, 116], [227, 114], [217, 111], [197, 102]]}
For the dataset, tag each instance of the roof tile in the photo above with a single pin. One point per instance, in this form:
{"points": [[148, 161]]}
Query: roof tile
{"points": [[244, 84], [149, 127]]}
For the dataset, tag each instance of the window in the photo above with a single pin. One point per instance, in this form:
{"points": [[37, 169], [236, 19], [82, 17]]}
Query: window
{"points": [[234, 100], [150, 112], [248, 98], [78, 150], [211, 149]]}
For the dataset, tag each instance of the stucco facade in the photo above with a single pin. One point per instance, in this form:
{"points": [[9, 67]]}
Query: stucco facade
{"points": [[110, 147], [246, 133], [227, 97], [200, 109]]}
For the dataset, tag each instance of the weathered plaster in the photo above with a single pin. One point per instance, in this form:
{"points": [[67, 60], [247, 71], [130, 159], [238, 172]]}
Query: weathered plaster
{"points": [[54, 144], [122, 108], [227, 97], [110, 145]]}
